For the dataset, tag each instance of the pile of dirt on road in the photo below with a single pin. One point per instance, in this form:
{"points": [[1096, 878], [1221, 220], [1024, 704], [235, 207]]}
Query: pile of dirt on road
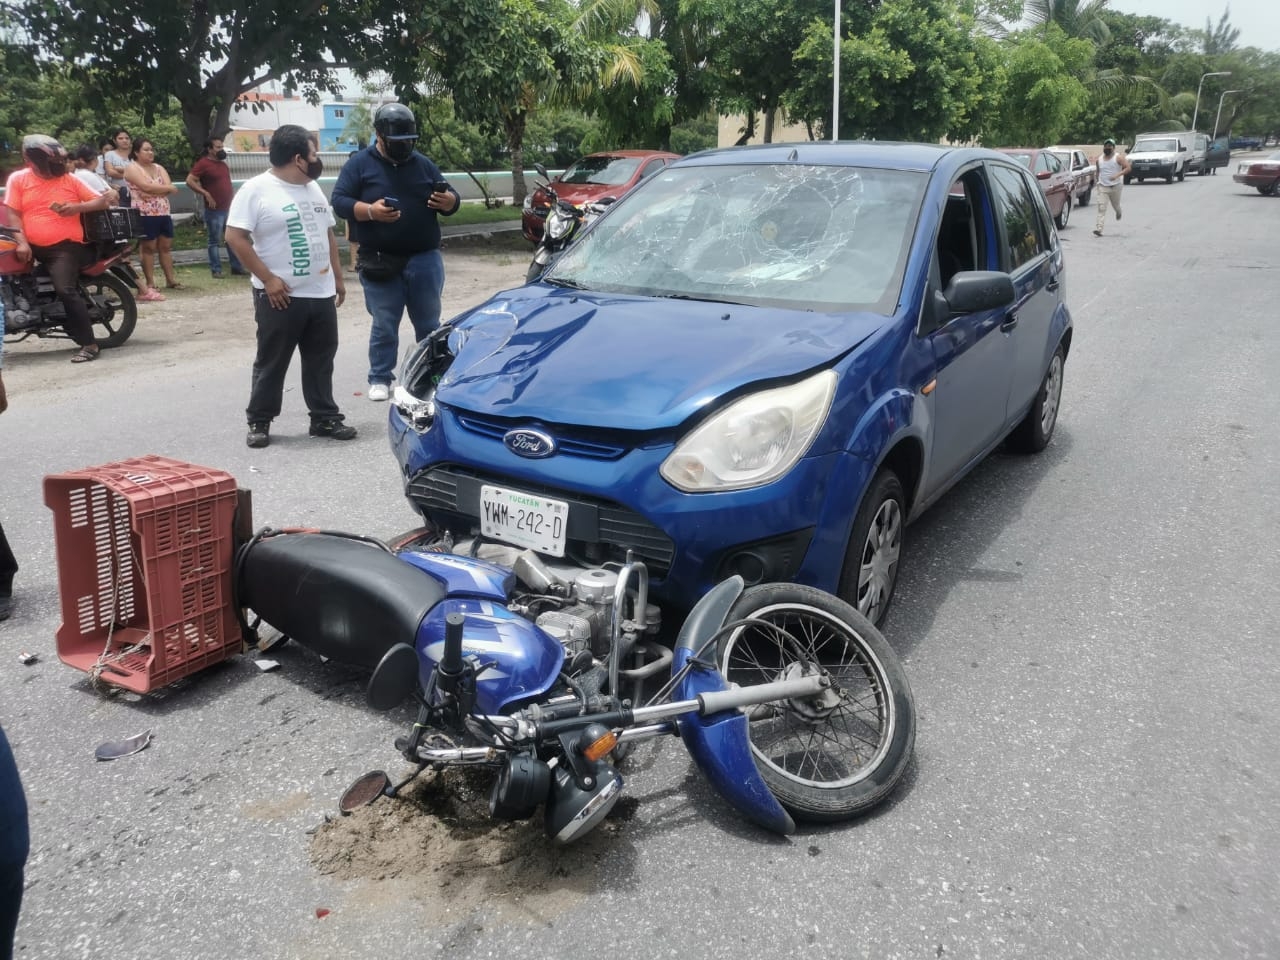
{"points": [[438, 836]]}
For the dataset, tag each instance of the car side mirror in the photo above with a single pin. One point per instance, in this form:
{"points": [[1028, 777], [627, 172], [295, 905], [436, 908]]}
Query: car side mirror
{"points": [[972, 291], [1043, 175], [1182, 149]]}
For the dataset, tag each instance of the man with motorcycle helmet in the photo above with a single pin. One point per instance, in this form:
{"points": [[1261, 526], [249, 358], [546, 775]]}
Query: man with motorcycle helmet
{"points": [[393, 195], [48, 201]]}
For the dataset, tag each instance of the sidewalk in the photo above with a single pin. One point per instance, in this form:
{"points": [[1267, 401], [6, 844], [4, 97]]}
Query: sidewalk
{"points": [[199, 255]]}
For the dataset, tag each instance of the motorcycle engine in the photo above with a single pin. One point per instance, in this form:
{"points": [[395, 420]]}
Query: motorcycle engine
{"points": [[17, 308]]}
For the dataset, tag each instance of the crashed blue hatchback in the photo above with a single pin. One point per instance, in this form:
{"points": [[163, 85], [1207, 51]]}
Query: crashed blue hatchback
{"points": [[763, 361]]}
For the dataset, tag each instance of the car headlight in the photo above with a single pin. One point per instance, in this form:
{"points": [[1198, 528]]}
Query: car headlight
{"points": [[420, 412], [753, 441], [558, 224]]}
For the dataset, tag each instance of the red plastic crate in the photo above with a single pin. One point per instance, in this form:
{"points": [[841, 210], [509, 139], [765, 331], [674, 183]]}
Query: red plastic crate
{"points": [[144, 549]]}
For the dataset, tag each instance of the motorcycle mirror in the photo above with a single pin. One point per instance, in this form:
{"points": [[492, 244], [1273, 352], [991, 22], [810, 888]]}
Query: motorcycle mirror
{"points": [[364, 791], [542, 171], [394, 678]]}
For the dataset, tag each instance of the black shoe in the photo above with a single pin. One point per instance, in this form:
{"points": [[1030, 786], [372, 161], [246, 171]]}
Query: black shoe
{"points": [[333, 429], [259, 435], [239, 273], [218, 276]]}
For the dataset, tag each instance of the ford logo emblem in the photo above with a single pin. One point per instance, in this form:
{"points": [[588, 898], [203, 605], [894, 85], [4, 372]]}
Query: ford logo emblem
{"points": [[533, 444]]}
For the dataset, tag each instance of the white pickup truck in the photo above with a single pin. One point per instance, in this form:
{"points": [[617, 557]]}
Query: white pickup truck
{"points": [[1084, 174]]}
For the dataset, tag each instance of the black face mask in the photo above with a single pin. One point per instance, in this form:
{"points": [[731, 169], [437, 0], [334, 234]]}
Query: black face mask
{"points": [[220, 155], [315, 168], [399, 151], [1108, 150]]}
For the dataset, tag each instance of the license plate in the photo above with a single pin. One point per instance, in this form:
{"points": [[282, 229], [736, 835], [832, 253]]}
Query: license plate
{"points": [[524, 520]]}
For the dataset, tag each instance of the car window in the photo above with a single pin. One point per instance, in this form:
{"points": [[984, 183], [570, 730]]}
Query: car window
{"points": [[1025, 233], [963, 241], [652, 167], [609, 171], [804, 237], [1055, 165]]}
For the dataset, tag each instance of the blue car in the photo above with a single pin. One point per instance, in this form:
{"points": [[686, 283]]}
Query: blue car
{"points": [[763, 361]]}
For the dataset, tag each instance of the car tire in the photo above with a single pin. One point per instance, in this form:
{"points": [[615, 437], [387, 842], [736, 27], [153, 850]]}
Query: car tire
{"points": [[870, 571], [1064, 214], [1085, 197], [1270, 189], [1168, 179], [1036, 429]]}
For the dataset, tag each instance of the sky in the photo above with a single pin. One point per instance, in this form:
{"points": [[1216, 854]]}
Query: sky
{"points": [[1257, 20]]}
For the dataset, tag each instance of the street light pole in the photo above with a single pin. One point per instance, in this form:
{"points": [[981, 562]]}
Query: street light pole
{"points": [[1219, 115], [835, 89], [1217, 73]]}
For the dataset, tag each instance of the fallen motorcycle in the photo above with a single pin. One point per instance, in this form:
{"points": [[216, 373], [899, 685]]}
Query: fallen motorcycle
{"points": [[31, 304], [789, 700]]}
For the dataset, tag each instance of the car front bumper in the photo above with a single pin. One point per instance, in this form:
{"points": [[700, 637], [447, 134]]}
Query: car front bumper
{"points": [[795, 528]]}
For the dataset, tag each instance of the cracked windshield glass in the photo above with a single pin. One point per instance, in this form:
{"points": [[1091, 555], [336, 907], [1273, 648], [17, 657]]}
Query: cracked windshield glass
{"points": [[823, 238]]}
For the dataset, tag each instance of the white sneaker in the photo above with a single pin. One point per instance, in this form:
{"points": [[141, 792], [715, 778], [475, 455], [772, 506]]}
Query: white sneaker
{"points": [[379, 391]]}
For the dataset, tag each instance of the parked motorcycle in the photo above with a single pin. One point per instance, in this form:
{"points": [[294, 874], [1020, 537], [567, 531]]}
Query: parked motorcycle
{"points": [[32, 307], [563, 224], [543, 670]]}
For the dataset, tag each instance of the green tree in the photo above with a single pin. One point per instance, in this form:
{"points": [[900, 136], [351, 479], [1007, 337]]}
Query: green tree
{"points": [[1078, 19], [1043, 67], [909, 70], [207, 53]]}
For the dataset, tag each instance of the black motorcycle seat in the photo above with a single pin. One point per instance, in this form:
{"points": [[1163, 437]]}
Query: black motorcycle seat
{"points": [[345, 599]]}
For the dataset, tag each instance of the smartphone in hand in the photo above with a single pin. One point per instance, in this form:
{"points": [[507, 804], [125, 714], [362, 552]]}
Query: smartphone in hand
{"points": [[392, 202], [440, 186]]}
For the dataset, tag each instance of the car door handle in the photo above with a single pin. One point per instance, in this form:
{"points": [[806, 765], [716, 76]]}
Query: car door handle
{"points": [[1010, 321], [1053, 284]]}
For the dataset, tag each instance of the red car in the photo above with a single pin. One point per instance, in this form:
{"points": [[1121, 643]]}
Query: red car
{"points": [[593, 177], [1263, 174], [1054, 178]]}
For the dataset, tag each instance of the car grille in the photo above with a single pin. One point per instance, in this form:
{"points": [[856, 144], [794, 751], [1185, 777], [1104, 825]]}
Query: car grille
{"points": [[575, 446], [600, 529]]}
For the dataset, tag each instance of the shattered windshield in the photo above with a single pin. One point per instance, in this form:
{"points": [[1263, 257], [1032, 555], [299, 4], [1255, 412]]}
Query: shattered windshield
{"points": [[826, 238]]}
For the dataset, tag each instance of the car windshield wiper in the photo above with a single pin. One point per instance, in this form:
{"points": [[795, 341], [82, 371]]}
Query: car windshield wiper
{"points": [[565, 282], [689, 296]]}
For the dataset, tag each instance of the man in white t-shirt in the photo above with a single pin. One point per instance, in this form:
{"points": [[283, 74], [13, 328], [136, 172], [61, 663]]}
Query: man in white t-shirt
{"points": [[280, 227]]}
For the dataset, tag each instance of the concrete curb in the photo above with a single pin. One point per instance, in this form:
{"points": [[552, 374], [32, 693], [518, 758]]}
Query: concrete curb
{"points": [[464, 234]]}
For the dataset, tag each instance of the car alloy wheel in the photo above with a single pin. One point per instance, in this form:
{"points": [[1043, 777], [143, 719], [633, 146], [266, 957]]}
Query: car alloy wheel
{"points": [[875, 546]]}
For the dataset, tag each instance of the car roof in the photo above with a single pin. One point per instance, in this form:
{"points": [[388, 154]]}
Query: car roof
{"points": [[633, 153], [890, 155]]}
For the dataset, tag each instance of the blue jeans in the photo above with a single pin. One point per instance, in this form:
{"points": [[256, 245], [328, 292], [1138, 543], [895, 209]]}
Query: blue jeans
{"points": [[215, 221], [418, 288]]}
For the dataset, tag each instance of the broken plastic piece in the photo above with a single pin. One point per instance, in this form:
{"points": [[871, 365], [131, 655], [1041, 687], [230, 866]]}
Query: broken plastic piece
{"points": [[267, 665], [25, 657], [115, 749]]}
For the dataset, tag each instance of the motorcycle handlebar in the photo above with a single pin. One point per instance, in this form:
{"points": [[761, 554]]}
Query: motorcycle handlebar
{"points": [[451, 661]]}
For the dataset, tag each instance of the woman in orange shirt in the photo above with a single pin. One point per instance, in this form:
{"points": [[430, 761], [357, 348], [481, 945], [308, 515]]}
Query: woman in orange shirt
{"points": [[49, 201]]}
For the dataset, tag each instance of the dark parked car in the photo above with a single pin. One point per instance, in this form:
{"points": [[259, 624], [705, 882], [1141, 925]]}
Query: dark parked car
{"points": [[1056, 180], [1263, 174], [1246, 143], [593, 177], [762, 361]]}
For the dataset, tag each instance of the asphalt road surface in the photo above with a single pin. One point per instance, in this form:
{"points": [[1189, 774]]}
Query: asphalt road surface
{"points": [[1090, 635]]}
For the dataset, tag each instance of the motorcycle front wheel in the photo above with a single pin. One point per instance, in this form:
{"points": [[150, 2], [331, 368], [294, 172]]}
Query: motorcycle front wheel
{"points": [[839, 754], [111, 308]]}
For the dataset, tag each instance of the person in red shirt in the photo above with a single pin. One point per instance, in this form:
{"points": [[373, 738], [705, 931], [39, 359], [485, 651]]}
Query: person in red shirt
{"points": [[210, 177], [49, 200]]}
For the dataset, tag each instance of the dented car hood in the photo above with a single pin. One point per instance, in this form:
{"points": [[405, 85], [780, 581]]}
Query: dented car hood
{"points": [[625, 362]]}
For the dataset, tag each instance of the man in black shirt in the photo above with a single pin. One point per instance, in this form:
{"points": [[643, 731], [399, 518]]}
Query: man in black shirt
{"points": [[393, 194]]}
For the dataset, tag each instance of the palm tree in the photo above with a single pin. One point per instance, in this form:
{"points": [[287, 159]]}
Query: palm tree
{"points": [[1077, 18]]}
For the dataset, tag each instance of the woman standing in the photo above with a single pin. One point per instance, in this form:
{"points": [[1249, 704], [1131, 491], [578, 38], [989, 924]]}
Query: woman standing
{"points": [[116, 160], [149, 187]]}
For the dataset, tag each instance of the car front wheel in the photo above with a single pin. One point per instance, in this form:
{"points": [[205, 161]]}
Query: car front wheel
{"points": [[1064, 214], [870, 571]]}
